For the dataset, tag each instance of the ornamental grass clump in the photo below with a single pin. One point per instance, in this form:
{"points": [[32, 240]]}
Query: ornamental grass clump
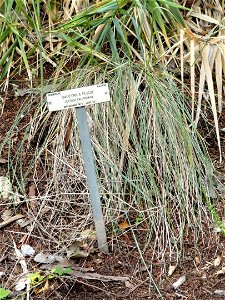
{"points": [[151, 164]]}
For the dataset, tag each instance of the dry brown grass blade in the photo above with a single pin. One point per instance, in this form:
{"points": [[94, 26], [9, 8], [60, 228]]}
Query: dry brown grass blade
{"points": [[221, 47], [182, 56], [97, 32], [219, 79], [28, 43], [72, 7], [204, 18], [194, 27], [140, 14], [208, 73], [212, 52], [206, 29], [130, 115], [68, 132], [167, 53], [192, 67], [67, 9], [200, 92], [217, 40]]}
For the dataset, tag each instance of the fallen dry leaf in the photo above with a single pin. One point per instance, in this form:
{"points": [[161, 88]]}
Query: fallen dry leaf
{"points": [[3, 161], [24, 239], [171, 269], [128, 284], [5, 187], [23, 264], [204, 276], [220, 272], [42, 258], [6, 214], [98, 261], [197, 260], [217, 261], [89, 234], [43, 289], [32, 195], [24, 222], [179, 282], [124, 225], [219, 292], [74, 250], [21, 258], [32, 191]]}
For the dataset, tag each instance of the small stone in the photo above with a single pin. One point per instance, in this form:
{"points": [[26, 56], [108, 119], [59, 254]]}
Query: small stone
{"points": [[21, 284], [2, 274], [27, 250], [219, 292]]}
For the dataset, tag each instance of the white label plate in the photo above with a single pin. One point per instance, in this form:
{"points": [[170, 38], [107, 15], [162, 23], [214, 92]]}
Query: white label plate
{"points": [[78, 97]]}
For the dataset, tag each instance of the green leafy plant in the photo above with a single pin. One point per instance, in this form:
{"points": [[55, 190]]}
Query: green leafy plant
{"points": [[36, 278], [4, 293], [40, 281], [139, 219], [61, 271], [117, 25]]}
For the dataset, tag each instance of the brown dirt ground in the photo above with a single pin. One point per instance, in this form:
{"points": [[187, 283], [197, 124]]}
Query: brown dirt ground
{"points": [[198, 263]]}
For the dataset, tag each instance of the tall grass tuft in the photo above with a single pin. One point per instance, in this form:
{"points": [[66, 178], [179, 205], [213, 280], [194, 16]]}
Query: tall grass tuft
{"points": [[144, 140], [151, 165]]}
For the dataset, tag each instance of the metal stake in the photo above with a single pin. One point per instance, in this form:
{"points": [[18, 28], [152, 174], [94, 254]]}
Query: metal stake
{"points": [[91, 178]]}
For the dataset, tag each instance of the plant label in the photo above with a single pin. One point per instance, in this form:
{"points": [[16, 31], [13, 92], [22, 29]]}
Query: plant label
{"points": [[78, 97]]}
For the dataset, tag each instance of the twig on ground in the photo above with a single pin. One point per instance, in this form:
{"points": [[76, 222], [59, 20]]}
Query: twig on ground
{"points": [[3, 258], [96, 276], [97, 288], [137, 286], [10, 220]]}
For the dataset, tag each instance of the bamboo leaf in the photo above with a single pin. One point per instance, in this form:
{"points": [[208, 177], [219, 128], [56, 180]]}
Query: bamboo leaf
{"points": [[212, 56], [204, 18], [209, 79], [200, 92], [219, 79]]}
